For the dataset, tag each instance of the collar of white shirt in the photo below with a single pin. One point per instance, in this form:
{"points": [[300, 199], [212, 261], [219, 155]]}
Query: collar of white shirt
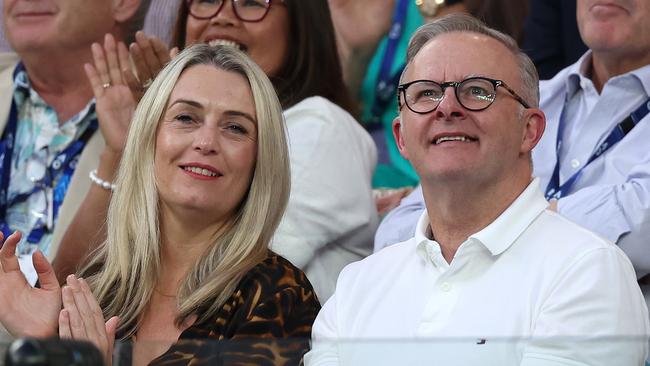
{"points": [[498, 236], [578, 76]]}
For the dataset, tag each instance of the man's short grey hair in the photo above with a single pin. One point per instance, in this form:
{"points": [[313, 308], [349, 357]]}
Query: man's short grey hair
{"points": [[136, 22], [465, 23]]}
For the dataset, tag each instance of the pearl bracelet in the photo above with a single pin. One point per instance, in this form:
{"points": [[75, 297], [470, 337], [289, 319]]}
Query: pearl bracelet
{"points": [[100, 182]]}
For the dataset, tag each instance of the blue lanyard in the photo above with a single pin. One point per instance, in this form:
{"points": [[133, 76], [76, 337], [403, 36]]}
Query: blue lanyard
{"points": [[62, 167], [387, 81], [557, 191]]}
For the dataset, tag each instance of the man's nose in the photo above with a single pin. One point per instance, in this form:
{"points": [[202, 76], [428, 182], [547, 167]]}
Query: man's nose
{"points": [[450, 107]]}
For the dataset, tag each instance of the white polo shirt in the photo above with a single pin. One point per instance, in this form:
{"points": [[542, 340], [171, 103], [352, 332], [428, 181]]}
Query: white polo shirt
{"points": [[531, 273]]}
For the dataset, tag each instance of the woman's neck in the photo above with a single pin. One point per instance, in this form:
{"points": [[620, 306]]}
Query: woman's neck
{"points": [[184, 239]]}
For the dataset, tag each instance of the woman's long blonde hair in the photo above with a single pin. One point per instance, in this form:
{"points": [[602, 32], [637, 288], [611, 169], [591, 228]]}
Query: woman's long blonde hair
{"points": [[129, 259]]}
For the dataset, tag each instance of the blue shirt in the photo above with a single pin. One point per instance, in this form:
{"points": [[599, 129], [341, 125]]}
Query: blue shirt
{"points": [[612, 194]]}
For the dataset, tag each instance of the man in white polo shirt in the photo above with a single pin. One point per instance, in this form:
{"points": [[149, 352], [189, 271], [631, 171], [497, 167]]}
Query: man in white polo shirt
{"points": [[488, 260]]}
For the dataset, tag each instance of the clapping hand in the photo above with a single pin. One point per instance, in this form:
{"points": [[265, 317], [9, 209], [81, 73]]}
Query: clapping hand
{"points": [[149, 55], [26, 311], [81, 318], [112, 82]]}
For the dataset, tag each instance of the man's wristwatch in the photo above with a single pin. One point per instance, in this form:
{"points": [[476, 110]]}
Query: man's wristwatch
{"points": [[429, 8]]}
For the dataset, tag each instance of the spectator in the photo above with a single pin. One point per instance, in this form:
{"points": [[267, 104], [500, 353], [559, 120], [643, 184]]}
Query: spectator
{"points": [[158, 22], [373, 58], [202, 187], [488, 258], [331, 217], [611, 194], [49, 139]]}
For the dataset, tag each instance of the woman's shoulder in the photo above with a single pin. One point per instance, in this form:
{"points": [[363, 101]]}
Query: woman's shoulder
{"points": [[316, 121], [275, 274], [319, 109]]}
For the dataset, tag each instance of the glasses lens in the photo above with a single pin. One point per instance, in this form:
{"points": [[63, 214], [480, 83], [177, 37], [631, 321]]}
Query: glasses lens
{"points": [[251, 10], [475, 94], [423, 96], [205, 8]]}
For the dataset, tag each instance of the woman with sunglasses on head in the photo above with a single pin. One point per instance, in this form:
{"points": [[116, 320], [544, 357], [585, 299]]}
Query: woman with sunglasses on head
{"points": [[199, 193], [331, 216]]}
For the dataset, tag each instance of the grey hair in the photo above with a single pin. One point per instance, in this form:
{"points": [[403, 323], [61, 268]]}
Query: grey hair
{"points": [[465, 23], [136, 22]]}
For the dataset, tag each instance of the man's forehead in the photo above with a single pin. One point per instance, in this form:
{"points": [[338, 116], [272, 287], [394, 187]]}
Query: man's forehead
{"points": [[458, 55]]}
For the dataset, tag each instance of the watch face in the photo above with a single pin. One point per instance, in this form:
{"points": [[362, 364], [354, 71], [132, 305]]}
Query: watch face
{"points": [[429, 8]]}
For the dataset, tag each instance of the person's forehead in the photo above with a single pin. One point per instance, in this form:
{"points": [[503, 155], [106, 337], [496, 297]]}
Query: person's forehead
{"points": [[456, 55]]}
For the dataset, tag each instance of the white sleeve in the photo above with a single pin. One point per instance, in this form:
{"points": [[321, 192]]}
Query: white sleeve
{"points": [[596, 296], [331, 195], [324, 348], [399, 225]]}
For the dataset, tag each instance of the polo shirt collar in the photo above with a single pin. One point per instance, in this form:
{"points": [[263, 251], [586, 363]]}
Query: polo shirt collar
{"points": [[502, 232]]}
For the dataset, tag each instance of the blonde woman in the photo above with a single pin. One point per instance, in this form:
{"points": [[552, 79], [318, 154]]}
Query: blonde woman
{"points": [[202, 186], [330, 218]]}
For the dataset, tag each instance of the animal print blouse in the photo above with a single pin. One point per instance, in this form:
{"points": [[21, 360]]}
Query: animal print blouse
{"points": [[267, 321]]}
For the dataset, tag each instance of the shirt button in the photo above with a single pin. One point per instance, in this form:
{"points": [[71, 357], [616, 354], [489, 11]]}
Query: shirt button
{"points": [[445, 287], [575, 163]]}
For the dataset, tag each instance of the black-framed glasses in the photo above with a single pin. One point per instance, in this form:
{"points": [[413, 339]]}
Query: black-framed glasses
{"points": [[474, 94], [245, 10]]}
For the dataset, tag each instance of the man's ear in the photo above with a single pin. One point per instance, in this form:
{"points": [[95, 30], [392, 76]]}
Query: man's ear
{"points": [[123, 10], [399, 136], [535, 123]]}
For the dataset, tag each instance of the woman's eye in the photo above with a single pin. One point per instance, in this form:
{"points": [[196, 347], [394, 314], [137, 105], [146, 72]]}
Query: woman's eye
{"points": [[184, 118], [255, 3], [236, 128]]}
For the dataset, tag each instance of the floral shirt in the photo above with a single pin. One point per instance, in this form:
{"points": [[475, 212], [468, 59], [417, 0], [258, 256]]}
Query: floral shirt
{"points": [[39, 140]]}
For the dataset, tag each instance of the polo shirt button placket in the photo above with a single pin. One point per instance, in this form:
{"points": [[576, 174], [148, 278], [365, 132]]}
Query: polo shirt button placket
{"points": [[445, 287]]}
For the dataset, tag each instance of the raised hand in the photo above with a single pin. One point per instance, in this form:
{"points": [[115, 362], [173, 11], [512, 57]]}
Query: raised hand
{"points": [[26, 311], [82, 318], [115, 101], [388, 199], [149, 55], [356, 44], [347, 15]]}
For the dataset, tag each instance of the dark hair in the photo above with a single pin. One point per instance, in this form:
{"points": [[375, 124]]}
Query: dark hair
{"points": [[506, 16], [312, 67]]}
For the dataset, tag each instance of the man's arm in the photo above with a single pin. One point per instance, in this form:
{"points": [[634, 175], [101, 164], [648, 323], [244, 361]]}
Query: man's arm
{"points": [[399, 224], [619, 212]]}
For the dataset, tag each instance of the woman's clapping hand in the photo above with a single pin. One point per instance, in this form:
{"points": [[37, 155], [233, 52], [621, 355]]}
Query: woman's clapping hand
{"points": [[26, 311]]}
